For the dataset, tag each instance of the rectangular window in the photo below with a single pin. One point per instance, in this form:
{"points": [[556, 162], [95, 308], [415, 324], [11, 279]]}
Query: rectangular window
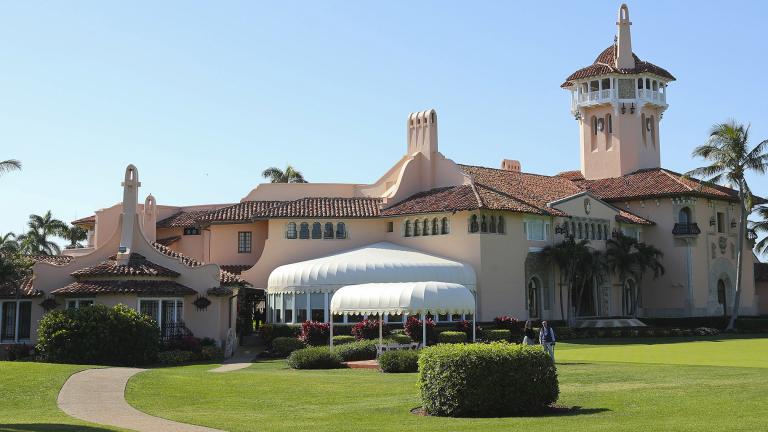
{"points": [[192, 231], [78, 303], [390, 227], [317, 306], [721, 222], [168, 313], [535, 230], [626, 89], [13, 327], [244, 241]]}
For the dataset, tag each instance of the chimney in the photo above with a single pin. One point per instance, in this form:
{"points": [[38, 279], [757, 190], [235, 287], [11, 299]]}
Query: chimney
{"points": [[624, 57], [150, 218], [422, 132], [510, 165]]}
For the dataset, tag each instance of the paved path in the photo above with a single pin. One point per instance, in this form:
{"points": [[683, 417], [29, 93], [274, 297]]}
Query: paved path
{"points": [[243, 358], [98, 396]]}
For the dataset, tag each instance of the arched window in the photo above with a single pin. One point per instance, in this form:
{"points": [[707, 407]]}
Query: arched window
{"points": [[599, 232], [605, 230], [581, 232], [643, 127], [640, 83], [444, 226], [328, 231], [408, 231], [609, 121], [492, 227], [304, 230], [425, 227], [435, 228], [534, 286], [341, 230], [684, 215], [721, 296], [291, 231], [483, 224], [317, 231], [501, 226], [473, 225], [593, 136], [628, 298], [416, 228], [592, 233]]}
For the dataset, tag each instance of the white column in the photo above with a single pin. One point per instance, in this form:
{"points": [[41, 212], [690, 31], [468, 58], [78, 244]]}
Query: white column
{"points": [[423, 329], [330, 338], [309, 307], [326, 309], [293, 318], [381, 329]]}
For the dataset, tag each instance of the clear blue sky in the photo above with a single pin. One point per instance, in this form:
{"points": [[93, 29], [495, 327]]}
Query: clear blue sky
{"points": [[203, 96]]}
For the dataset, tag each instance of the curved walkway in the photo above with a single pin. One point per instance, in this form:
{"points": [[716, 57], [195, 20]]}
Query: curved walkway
{"points": [[98, 396], [242, 359]]}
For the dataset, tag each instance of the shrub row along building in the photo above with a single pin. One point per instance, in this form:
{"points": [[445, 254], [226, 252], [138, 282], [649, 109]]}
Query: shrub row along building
{"points": [[426, 219]]}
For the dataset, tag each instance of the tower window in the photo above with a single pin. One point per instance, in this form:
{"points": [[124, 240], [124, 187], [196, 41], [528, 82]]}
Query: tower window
{"points": [[408, 228], [610, 123], [341, 230], [291, 231], [444, 226], [192, 231], [640, 83], [435, 229], [317, 231], [390, 227], [328, 231], [304, 231], [244, 241], [473, 225], [425, 227]]}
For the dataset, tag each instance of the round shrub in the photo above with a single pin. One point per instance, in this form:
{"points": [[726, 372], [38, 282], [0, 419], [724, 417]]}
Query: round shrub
{"points": [[314, 333], [481, 380], [497, 335], [314, 358], [343, 339], [118, 336], [283, 346], [369, 329], [452, 337], [399, 361], [400, 339], [355, 351], [270, 332]]}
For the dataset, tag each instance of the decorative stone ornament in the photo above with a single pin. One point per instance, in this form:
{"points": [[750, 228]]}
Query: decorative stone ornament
{"points": [[587, 206], [201, 303], [49, 304]]}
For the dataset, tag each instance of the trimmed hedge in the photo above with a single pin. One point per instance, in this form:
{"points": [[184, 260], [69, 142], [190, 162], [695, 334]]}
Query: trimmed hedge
{"points": [[174, 357], [314, 358], [399, 361], [359, 350], [497, 335], [480, 380], [400, 338], [118, 336], [270, 332], [452, 337], [344, 339], [284, 346]]}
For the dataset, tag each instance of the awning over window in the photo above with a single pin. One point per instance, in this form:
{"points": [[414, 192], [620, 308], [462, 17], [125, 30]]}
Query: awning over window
{"points": [[376, 263], [403, 298]]}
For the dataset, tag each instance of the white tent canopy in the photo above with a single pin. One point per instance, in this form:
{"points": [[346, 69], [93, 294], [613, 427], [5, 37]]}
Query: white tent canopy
{"points": [[375, 263], [403, 298]]}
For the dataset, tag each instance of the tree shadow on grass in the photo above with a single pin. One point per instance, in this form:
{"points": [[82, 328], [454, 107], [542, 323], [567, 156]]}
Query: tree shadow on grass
{"points": [[50, 427], [661, 340], [553, 411]]}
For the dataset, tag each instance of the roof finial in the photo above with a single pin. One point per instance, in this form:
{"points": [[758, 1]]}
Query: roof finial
{"points": [[624, 57]]}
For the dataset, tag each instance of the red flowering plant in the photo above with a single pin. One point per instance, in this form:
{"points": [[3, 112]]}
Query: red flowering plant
{"points": [[314, 333], [368, 329], [506, 322], [414, 330], [466, 327]]}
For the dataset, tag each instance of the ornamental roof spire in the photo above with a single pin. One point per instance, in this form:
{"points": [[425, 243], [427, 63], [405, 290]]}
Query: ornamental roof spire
{"points": [[624, 57]]}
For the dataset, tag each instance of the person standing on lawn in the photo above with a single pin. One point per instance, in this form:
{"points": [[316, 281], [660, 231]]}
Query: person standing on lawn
{"points": [[547, 339], [529, 337]]}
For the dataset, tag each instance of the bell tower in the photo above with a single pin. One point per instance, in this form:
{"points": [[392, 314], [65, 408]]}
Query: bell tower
{"points": [[618, 102]]}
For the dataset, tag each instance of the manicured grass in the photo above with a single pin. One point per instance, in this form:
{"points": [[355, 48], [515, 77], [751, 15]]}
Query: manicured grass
{"points": [[717, 384], [28, 394]]}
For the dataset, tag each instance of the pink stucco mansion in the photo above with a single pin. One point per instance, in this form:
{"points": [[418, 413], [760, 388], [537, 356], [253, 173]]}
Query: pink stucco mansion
{"points": [[427, 218]]}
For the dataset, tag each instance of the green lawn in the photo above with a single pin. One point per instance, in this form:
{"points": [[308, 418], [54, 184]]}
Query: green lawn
{"points": [[28, 394], [713, 384]]}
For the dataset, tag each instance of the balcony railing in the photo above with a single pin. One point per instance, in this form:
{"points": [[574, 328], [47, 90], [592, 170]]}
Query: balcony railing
{"points": [[686, 229], [174, 330], [609, 95]]}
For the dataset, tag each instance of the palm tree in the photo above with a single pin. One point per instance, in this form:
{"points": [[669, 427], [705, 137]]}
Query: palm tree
{"points": [[731, 159], [9, 165], [290, 175], [621, 260], [36, 241], [566, 256], [761, 227], [75, 235], [648, 260], [8, 243], [590, 267]]}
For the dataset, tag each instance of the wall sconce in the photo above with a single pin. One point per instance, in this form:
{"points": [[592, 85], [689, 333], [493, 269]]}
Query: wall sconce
{"points": [[623, 108], [560, 229], [712, 221], [733, 223], [632, 108]]}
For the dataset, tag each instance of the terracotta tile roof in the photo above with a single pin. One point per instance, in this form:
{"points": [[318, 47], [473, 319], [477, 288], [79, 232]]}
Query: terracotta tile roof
{"points": [[225, 277], [240, 212], [53, 259], [169, 240], [220, 291], [26, 288], [605, 63], [137, 265], [183, 219], [89, 220], [145, 287], [653, 183], [235, 269], [628, 217], [436, 200], [761, 272], [323, 207]]}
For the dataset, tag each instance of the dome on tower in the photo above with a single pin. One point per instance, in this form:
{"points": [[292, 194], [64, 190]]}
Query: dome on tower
{"points": [[606, 63]]}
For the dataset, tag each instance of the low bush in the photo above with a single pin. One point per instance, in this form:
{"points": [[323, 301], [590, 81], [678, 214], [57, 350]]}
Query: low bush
{"points": [[314, 358], [283, 346], [343, 339], [497, 335], [206, 341], [270, 332], [452, 337], [368, 329], [314, 333], [355, 351], [400, 339], [17, 351], [399, 361], [706, 331], [480, 380], [211, 352], [506, 322], [182, 343], [175, 357], [118, 336], [414, 329]]}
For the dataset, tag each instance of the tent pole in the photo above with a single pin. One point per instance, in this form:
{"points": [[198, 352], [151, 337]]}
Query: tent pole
{"points": [[474, 319], [381, 329], [423, 329], [331, 335]]}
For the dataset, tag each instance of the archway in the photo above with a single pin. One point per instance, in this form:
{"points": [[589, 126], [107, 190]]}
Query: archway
{"points": [[722, 296], [534, 289], [628, 298]]}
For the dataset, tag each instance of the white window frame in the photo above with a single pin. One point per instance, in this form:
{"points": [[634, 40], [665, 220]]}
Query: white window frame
{"points": [[17, 324], [527, 231], [160, 300], [77, 302]]}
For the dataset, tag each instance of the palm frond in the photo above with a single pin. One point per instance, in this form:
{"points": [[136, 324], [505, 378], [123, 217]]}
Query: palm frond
{"points": [[9, 165]]}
